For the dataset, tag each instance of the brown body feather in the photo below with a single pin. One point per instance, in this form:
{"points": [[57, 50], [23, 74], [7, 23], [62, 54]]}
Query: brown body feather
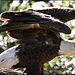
{"points": [[41, 47]]}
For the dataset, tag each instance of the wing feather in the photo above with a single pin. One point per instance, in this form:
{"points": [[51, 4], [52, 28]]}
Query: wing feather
{"points": [[63, 14], [29, 19]]}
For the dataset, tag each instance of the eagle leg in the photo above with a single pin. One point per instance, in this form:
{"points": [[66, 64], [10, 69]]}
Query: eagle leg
{"points": [[34, 68]]}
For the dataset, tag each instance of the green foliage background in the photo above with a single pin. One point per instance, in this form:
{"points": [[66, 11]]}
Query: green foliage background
{"points": [[60, 64]]}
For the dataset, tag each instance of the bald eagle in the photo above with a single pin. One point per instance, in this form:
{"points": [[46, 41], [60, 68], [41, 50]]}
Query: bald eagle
{"points": [[37, 34]]}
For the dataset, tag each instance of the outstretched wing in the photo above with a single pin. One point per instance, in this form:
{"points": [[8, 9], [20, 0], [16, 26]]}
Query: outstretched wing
{"points": [[63, 14], [31, 19]]}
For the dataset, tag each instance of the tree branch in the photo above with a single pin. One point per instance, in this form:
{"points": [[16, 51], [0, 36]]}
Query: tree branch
{"points": [[10, 72]]}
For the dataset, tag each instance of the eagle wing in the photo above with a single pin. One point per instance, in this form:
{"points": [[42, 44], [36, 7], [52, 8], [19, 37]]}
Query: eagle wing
{"points": [[63, 14], [31, 19]]}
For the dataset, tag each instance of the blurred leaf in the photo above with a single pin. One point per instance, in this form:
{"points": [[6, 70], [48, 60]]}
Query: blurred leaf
{"points": [[1, 50], [20, 1], [46, 64], [9, 45]]}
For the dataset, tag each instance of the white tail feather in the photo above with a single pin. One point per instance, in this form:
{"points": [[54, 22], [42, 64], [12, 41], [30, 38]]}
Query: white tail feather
{"points": [[67, 48], [8, 58]]}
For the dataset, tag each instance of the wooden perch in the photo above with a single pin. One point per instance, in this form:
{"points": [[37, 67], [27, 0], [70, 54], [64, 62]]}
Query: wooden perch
{"points": [[9, 72]]}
